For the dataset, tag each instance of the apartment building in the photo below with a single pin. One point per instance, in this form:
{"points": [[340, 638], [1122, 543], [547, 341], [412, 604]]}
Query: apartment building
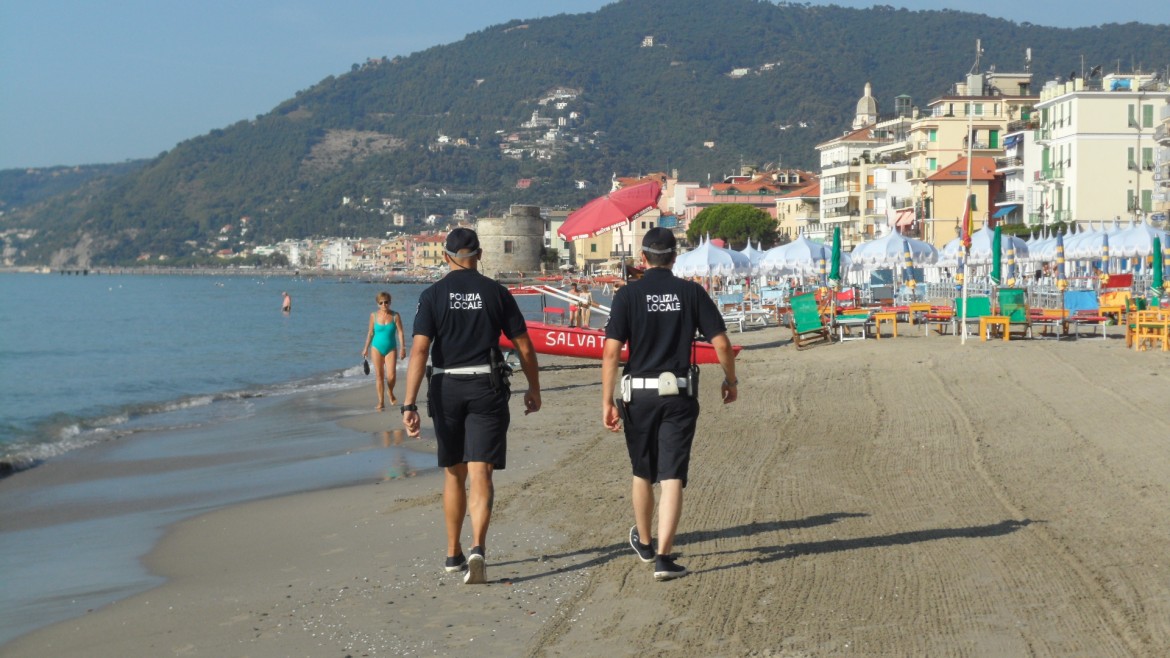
{"points": [[799, 213], [1162, 165], [1098, 139], [427, 250], [857, 170], [974, 118]]}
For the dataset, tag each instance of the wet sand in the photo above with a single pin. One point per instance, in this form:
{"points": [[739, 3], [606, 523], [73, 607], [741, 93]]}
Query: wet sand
{"points": [[908, 496]]}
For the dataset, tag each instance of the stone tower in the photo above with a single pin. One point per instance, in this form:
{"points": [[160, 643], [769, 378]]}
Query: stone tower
{"points": [[512, 243]]}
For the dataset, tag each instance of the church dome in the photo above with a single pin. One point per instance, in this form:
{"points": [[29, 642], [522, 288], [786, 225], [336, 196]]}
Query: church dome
{"points": [[867, 109]]}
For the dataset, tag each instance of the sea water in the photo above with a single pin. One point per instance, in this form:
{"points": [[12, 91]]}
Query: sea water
{"points": [[86, 359], [130, 402]]}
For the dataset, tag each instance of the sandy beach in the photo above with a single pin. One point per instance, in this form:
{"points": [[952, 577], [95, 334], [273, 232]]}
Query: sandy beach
{"points": [[894, 497]]}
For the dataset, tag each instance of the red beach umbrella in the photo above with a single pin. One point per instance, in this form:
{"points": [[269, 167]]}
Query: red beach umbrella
{"points": [[618, 208]]}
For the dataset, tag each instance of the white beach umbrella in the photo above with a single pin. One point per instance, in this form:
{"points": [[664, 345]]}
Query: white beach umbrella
{"points": [[1040, 245], [797, 257], [889, 251], [710, 260], [980, 252], [1135, 240], [1091, 244], [754, 256]]}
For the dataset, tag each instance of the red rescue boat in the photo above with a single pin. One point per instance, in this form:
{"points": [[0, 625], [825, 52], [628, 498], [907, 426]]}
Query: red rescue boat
{"points": [[587, 343]]}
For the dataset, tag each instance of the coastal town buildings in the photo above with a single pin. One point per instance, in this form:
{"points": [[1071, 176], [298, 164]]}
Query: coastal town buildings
{"points": [[751, 186], [800, 212], [1014, 201], [849, 178], [1162, 165], [949, 189], [428, 250], [1097, 148], [1093, 148], [974, 118]]}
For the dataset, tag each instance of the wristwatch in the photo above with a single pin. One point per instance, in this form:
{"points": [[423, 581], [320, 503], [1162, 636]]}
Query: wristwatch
{"points": [[731, 383], [409, 407]]}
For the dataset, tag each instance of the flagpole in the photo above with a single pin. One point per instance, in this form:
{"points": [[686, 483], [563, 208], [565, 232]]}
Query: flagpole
{"points": [[965, 237]]}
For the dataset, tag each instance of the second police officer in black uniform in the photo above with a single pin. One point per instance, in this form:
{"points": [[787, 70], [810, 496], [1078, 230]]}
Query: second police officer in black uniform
{"points": [[458, 324], [657, 316]]}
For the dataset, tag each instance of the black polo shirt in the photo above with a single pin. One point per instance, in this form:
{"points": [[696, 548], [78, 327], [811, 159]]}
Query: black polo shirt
{"points": [[658, 315], [463, 314]]}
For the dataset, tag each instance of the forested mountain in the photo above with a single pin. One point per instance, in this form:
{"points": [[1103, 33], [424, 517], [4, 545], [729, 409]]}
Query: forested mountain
{"points": [[738, 81]]}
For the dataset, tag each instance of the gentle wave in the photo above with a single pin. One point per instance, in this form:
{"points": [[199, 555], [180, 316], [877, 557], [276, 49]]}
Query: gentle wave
{"points": [[63, 433]]}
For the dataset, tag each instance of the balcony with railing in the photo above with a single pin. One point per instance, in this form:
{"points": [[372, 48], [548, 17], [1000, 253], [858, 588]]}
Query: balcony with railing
{"points": [[847, 188], [982, 146], [1052, 173], [1042, 135], [1021, 125], [1013, 196], [840, 214], [1010, 162]]}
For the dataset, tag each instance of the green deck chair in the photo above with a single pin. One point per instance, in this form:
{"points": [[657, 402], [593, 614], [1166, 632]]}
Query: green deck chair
{"points": [[1013, 304], [977, 307], [807, 325]]}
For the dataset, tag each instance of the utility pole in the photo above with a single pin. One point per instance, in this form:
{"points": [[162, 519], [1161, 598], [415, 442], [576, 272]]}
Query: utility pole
{"points": [[1137, 156]]}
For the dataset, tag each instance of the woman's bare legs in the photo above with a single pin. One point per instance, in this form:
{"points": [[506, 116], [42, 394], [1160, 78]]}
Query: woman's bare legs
{"points": [[391, 367], [380, 378]]}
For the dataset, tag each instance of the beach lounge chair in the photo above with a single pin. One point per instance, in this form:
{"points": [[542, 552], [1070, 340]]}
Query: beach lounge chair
{"points": [[772, 300], [847, 298], [1013, 305], [806, 323], [852, 319], [732, 307], [1083, 309], [942, 318], [977, 307]]}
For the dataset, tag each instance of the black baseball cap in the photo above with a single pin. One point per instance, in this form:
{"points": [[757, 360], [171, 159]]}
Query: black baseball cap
{"points": [[462, 239], [659, 240]]}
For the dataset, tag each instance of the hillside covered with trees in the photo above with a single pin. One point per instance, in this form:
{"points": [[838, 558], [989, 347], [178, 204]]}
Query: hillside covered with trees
{"points": [[719, 84]]}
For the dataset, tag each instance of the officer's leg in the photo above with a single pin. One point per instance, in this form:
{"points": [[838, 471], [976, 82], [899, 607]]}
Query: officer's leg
{"points": [[454, 505], [642, 447], [643, 496], [676, 433], [481, 500], [669, 511]]}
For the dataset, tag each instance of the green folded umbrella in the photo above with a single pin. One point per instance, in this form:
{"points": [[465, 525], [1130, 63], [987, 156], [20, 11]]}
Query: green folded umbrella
{"points": [[996, 260], [1156, 283], [835, 267]]}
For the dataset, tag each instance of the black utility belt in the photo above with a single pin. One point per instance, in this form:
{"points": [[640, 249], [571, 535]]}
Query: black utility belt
{"points": [[498, 373]]}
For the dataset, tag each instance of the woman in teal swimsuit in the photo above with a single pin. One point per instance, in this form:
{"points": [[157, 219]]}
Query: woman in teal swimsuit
{"points": [[386, 339]]}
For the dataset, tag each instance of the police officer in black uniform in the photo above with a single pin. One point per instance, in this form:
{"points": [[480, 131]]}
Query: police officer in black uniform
{"points": [[458, 324], [658, 316]]}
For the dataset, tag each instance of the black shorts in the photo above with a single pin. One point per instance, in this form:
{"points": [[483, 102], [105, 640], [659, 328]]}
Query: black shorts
{"points": [[659, 433], [471, 419]]}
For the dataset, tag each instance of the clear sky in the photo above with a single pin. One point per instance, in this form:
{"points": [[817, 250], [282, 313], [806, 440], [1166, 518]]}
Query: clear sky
{"points": [[89, 81]]}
